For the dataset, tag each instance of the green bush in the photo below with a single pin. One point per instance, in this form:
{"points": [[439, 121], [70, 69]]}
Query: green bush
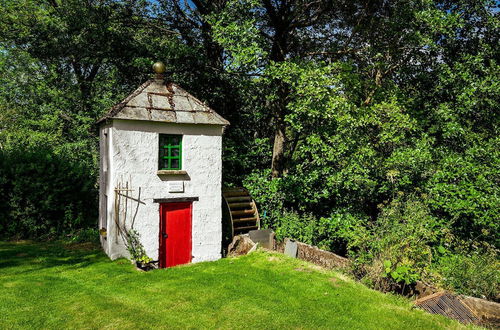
{"points": [[45, 193], [473, 271], [269, 194], [84, 235], [464, 189], [328, 233], [303, 228], [336, 231], [396, 250], [406, 243]]}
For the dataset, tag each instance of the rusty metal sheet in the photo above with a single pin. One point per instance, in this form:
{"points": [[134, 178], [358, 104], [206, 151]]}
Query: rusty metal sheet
{"points": [[140, 100], [197, 105], [194, 103], [157, 86], [181, 102], [449, 305], [176, 89]]}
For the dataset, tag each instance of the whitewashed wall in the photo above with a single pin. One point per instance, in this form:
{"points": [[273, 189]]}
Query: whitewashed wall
{"points": [[105, 191], [133, 158]]}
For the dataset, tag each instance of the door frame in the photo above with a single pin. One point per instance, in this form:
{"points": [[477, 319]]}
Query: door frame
{"points": [[162, 259]]}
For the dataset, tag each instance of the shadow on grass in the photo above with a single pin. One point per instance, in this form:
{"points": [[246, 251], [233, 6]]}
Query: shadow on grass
{"points": [[27, 256]]}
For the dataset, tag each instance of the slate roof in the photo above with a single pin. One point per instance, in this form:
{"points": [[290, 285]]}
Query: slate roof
{"points": [[156, 100]]}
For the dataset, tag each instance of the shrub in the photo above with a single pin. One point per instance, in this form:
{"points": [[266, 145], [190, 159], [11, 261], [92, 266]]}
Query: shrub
{"points": [[473, 271], [328, 233], [45, 193], [84, 235], [303, 228], [269, 194], [396, 250], [336, 231], [465, 190]]}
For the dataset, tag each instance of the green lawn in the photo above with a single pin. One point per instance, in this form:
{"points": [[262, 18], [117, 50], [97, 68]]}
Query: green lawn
{"points": [[76, 286]]}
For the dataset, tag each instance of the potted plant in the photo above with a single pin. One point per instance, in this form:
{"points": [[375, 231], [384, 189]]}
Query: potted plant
{"points": [[144, 262]]}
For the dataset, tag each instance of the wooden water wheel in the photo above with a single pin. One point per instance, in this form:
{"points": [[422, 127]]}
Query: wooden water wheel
{"points": [[239, 213]]}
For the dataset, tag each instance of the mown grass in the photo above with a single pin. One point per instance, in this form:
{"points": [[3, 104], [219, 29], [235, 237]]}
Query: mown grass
{"points": [[53, 285]]}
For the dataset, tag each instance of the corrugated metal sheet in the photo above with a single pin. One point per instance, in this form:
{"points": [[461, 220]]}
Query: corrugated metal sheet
{"points": [[156, 100], [449, 305]]}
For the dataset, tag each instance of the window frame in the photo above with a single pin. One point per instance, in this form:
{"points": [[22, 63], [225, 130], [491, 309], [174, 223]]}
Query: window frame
{"points": [[165, 144]]}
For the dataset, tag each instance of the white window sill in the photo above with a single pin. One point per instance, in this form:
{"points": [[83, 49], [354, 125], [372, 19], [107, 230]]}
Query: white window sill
{"points": [[171, 172]]}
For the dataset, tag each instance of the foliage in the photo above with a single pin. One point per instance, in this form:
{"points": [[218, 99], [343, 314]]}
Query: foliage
{"points": [[135, 247], [45, 193], [464, 189], [84, 235], [397, 248], [235, 29], [470, 271], [269, 194], [413, 114], [68, 286], [330, 233], [302, 228], [348, 118]]}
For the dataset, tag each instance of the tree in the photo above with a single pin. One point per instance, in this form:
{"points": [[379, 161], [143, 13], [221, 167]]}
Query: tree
{"points": [[348, 85]]}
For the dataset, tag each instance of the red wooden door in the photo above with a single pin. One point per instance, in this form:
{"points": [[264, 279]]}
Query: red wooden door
{"points": [[175, 234]]}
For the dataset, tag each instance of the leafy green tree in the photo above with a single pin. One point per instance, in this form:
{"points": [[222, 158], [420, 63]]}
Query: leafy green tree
{"points": [[348, 118]]}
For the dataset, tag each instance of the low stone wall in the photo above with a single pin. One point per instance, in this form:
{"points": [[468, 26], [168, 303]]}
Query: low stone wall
{"points": [[487, 311], [320, 257], [316, 256]]}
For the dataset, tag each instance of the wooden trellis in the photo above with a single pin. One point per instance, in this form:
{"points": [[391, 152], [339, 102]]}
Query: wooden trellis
{"points": [[123, 193]]}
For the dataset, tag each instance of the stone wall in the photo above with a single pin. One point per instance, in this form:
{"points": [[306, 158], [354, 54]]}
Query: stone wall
{"points": [[487, 311], [315, 255]]}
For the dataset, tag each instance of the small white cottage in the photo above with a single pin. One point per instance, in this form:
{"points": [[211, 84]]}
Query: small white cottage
{"points": [[160, 174]]}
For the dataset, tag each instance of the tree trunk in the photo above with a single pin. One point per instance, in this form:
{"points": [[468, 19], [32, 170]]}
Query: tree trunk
{"points": [[278, 54], [278, 160]]}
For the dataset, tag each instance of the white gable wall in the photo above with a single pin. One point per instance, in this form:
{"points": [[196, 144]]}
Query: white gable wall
{"points": [[106, 192], [133, 158]]}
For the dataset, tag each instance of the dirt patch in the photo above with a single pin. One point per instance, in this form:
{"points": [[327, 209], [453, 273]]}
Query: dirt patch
{"points": [[303, 270], [22, 254], [316, 267], [334, 281], [487, 311], [273, 258], [22, 241], [87, 246]]}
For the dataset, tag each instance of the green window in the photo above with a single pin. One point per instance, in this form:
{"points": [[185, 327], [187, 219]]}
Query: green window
{"points": [[170, 152]]}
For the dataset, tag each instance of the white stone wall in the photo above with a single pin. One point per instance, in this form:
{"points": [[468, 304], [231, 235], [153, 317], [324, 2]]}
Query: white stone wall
{"points": [[105, 173], [133, 159]]}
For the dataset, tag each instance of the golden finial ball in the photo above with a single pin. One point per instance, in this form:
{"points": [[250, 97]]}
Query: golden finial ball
{"points": [[159, 67]]}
